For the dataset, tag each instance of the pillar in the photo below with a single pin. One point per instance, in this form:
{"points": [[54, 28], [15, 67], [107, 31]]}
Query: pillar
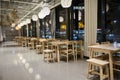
{"points": [[90, 23]]}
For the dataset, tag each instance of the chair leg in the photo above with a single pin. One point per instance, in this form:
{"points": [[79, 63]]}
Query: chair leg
{"points": [[107, 71], [82, 55], [53, 57], [48, 58], [67, 57], [101, 73], [89, 67], [76, 56]]}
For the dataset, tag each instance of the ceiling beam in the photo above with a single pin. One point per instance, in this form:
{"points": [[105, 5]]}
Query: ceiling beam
{"points": [[36, 7], [23, 2], [4, 9]]}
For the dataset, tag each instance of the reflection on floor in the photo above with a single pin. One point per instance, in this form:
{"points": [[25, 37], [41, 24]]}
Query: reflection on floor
{"points": [[20, 63]]}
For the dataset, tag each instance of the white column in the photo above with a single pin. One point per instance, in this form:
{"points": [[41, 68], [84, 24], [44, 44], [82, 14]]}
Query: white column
{"points": [[90, 23]]}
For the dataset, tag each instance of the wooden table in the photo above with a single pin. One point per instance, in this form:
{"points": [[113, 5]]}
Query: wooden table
{"points": [[57, 44], [108, 49]]}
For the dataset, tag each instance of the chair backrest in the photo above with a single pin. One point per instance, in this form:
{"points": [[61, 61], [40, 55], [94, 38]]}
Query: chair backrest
{"points": [[78, 45]]}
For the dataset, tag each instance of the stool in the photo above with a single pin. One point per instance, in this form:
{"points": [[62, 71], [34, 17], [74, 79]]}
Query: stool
{"points": [[39, 48], [48, 55], [97, 67]]}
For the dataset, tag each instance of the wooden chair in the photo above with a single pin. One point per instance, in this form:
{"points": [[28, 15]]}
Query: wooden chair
{"points": [[31, 43], [97, 67], [38, 48], [43, 43], [78, 48], [116, 63], [27, 41], [116, 66], [67, 49], [48, 55], [24, 44], [19, 40]]}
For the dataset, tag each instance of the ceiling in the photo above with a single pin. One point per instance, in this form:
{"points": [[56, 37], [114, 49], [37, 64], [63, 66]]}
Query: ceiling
{"points": [[14, 11]]}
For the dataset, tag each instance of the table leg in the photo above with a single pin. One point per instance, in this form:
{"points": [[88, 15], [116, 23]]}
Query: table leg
{"points": [[91, 53], [58, 54], [111, 67]]}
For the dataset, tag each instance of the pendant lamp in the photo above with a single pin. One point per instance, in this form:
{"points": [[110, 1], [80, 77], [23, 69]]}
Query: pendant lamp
{"points": [[66, 3], [34, 18], [28, 21]]}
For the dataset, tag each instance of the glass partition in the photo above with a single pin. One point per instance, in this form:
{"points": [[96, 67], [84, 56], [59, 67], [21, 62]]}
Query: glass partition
{"points": [[109, 20], [78, 20]]}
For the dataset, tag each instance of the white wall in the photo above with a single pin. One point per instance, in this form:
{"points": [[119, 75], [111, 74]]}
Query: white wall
{"points": [[1, 36]]}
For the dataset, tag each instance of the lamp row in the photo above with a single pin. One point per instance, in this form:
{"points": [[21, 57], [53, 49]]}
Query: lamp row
{"points": [[43, 13]]}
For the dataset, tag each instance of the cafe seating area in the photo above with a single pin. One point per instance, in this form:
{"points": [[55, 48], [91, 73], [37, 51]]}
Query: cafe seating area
{"points": [[60, 48], [60, 40], [102, 60]]}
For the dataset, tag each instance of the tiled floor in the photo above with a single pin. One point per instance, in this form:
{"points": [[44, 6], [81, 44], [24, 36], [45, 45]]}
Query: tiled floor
{"points": [[20, 63]]}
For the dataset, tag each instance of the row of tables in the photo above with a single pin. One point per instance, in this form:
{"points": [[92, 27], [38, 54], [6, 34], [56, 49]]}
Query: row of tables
{"points": [[49, 42]]}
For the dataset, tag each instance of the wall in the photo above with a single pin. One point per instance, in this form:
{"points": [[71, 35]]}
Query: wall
{"points": [[9, 33], [1, 37]]}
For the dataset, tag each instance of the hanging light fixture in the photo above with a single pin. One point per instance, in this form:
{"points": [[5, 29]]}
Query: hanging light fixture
{"points": [[44, 11], [79, 15], [47, 10], [79, 18], [66, 3], [34, 18], [41, 14], [61, 19], [13, 25], [19, 26], [107, 7], [28, 21]]}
